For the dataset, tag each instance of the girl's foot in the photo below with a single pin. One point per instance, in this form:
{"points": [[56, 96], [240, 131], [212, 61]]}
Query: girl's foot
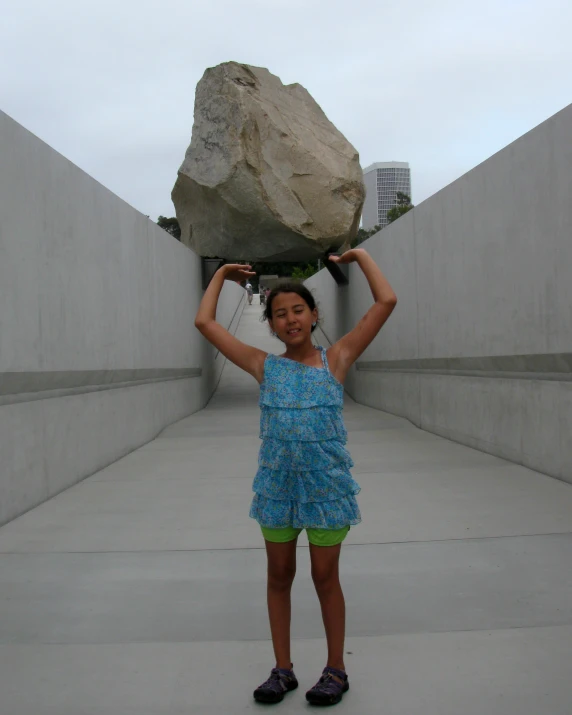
{"points": [[330, 688], [280, 681]]}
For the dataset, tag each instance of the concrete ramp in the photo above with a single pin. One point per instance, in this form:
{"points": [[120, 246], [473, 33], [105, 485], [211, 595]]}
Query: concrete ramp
{"points": [[142, 589]]}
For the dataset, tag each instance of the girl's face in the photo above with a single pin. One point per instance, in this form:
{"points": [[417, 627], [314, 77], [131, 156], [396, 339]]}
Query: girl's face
{"points": [[292, 318]]}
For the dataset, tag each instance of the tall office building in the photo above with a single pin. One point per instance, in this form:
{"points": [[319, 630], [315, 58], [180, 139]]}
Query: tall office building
{"points": [[382, 182]]}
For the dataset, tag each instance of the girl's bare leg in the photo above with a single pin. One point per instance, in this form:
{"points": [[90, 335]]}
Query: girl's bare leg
{"points": [[325, 574], [281, 572]]}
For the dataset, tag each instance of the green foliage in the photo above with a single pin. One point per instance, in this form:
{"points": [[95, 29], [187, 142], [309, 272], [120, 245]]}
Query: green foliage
{"points": [[364, 233], [403, 206], [301, 274], [170, 225], [298, 271]]}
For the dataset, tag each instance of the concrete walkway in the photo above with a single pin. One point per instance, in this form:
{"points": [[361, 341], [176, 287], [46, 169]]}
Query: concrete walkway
{"points": [[142, 589]]}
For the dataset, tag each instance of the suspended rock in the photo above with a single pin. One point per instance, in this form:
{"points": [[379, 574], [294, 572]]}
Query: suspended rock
{"points": [[267, 176]]}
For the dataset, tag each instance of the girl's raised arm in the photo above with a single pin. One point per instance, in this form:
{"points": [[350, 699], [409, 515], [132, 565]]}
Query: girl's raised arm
{"points": [[347, 350], [247, 357]]}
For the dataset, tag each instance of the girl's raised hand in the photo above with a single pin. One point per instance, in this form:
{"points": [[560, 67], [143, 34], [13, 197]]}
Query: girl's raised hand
{"points": [[237, 272], [347, 257]]}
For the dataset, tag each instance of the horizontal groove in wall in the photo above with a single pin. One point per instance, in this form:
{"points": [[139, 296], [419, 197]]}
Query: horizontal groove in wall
{"points": [[30, 386], [549, 366]]}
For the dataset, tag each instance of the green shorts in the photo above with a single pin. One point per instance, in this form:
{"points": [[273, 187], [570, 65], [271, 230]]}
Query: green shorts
{"points": [[317, 537]]}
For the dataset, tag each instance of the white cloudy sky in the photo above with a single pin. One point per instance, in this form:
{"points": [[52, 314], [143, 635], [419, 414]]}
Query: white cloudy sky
{"points": [[440, 84]]}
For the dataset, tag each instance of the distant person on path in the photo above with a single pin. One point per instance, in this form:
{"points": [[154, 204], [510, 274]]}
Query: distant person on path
{"points": [[303, 479], [249, 291]]}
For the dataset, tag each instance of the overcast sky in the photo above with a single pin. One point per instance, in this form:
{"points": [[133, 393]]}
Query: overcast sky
{"points": [[442, 85]]}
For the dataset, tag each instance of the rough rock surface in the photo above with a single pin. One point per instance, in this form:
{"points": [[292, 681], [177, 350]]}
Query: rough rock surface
{"points": [[267, 176]]}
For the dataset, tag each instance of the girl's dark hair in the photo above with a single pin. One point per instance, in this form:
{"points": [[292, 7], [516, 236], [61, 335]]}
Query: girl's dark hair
{"points": [[288, 286]]}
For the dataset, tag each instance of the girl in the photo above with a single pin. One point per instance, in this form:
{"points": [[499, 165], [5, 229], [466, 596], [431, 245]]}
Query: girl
{"points": [[303, 480]]}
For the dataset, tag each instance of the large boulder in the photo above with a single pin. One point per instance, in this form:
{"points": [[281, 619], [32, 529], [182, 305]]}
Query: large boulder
{"points": [[267, 176]]}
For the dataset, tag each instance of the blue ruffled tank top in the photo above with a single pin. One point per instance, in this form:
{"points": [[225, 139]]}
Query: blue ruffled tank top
{"points": [[303, 478]]}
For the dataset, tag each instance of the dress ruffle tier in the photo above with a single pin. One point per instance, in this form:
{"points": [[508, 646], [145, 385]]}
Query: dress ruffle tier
{"points": [[303, 478], [309, 424], [278, 514], [282, 455]]}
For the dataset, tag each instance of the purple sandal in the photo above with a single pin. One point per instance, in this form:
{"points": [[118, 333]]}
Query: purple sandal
{"points": [[272, 691], [330, 688]]}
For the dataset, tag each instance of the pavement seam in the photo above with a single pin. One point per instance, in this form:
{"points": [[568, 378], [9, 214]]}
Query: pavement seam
{"points": [[302, 546], [392, 634]]}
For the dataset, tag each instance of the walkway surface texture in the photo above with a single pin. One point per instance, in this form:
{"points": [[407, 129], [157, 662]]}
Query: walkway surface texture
{"points": [[142, 589]]}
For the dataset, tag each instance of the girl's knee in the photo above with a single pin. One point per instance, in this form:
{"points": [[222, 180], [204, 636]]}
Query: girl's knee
{"points": [[325, 579], [281, 578]]}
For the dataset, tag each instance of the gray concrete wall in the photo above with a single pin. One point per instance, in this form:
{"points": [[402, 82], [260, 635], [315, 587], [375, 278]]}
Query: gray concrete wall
{"points": [[98, 351], [479, 348]]}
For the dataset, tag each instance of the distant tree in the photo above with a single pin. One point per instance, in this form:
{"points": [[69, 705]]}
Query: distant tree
{"points": [[363, 234], [170, 225], [403, 206], [286, 269], [301, 274]]}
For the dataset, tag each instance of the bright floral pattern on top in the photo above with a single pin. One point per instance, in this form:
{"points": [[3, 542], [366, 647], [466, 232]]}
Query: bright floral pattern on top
{"points": [[303, 478]]}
